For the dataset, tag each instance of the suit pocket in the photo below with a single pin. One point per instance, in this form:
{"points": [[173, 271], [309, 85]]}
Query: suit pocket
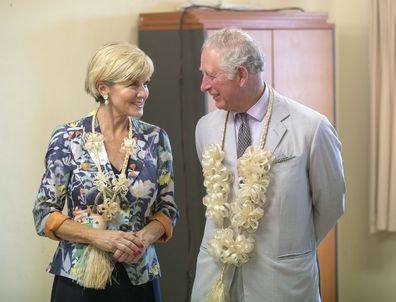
{"points": [[292, 256]]}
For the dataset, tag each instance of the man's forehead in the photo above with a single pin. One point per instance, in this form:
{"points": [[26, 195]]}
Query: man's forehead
{"points": [[209, 61]]}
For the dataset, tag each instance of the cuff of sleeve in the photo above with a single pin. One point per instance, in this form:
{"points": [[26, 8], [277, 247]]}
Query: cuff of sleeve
{"points": [[166, 223], [54, 221]]}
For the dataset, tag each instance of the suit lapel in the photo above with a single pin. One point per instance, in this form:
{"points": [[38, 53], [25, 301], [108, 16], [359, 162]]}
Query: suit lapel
{"points": [[277, 128]]}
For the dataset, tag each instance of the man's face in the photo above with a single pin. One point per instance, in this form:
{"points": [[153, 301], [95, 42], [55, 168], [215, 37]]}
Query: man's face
{"points": [[224, 91]]}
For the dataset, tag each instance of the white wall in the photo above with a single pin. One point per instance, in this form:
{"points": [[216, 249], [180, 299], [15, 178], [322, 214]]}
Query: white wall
{"points": [[45, 47], [44, 50], [367, 263]]}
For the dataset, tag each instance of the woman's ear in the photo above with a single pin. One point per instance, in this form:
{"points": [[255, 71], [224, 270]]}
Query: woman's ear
{"points": [[102, 88], [243, 75]]}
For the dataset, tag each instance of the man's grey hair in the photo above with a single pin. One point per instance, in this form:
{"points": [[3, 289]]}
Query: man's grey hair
{"points": [[236, 49]]}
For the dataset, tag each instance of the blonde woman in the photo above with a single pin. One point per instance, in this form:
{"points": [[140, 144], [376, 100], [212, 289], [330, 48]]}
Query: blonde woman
{"points": [[114, 172]]}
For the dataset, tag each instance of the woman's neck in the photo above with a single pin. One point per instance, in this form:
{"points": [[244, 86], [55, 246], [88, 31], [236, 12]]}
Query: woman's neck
{"points": [[112, 125]]}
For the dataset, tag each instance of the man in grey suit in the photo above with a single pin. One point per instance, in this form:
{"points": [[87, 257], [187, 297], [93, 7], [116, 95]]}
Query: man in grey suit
{"points": [[274, 180]]}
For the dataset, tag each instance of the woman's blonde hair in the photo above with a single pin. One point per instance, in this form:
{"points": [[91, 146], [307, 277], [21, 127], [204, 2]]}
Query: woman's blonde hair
{"points": [[116, 63]]}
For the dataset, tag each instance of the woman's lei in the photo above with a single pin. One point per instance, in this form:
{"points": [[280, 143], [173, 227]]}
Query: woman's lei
{"points": [[94, 266], [119, 185]]}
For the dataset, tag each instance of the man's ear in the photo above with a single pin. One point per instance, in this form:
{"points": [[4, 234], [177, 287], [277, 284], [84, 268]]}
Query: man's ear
{"points": [[243, 75]]}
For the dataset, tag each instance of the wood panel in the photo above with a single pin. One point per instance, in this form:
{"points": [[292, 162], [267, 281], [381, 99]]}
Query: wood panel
{"points": [[264, 40], [209, 19], [303, 67], [303, 70]]}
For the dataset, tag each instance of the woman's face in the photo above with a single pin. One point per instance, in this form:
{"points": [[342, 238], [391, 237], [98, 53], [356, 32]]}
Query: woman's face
{"points": [[129, 99]]}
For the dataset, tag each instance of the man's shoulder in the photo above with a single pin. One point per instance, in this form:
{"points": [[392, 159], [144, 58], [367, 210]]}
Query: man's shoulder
{"points": [[214, 117], [300, 117], [295, 108]]}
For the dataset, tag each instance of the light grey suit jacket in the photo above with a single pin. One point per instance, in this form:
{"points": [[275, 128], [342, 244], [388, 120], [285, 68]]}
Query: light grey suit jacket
{"points": [[305, 198]]}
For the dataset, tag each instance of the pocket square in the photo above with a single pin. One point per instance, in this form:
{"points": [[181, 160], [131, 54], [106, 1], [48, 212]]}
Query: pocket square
{"points": [[283, 158]]}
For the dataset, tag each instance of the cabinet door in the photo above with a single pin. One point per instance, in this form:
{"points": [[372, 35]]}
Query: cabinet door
{"points": [[303, 70], [264, 39]]}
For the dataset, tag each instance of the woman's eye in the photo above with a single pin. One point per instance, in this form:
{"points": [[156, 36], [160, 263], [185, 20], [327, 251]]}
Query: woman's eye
{"points": [[136, 84]]}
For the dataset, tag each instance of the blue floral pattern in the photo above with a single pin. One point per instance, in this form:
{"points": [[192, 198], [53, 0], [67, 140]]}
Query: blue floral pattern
{"points": [[68, 179]]}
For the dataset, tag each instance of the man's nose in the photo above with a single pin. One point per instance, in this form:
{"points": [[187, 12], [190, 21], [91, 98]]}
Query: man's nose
{"points": [[205, 83]]}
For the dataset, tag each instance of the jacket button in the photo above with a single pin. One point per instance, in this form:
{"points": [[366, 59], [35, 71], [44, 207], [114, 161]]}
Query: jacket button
{"points": [[124, 227], [124, 205]]}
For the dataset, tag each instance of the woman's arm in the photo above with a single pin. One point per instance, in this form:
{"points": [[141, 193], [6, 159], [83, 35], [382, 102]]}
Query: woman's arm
{"points": [[151, 232], [165, 208], [50, 201], [108, 240], [51, 196]]}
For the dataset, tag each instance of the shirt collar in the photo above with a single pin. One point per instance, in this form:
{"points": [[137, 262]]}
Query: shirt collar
{"points": [[258, 110]]}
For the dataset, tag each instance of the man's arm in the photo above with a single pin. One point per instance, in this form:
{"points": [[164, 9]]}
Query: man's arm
{"points": [[326, 176]]}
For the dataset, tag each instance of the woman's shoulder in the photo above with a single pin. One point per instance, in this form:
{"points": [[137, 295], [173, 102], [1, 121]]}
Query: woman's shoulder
{"points": [[146, 128], [72, 129]]}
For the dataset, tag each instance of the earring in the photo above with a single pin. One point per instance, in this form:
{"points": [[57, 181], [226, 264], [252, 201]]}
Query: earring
{"points": [[105, 97]]}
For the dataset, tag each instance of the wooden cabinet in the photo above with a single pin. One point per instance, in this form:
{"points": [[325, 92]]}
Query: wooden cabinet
{"points": [[299, 63]]}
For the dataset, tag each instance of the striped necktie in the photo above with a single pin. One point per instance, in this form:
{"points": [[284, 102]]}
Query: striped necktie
{"points": [[244, 139]]}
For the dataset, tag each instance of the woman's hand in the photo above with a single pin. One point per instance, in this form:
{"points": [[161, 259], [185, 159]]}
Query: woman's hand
{"points": [[141, 239], [125, 246], [125, 255]]}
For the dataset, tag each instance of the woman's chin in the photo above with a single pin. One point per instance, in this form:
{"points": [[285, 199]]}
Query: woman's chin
{"points": [[137, 114]]}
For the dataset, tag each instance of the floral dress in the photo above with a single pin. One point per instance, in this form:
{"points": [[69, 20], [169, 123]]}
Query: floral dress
{"points": [[69, 179]]}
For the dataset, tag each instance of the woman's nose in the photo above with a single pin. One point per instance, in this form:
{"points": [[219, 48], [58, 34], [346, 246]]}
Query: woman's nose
{"points": [[142, 91]]}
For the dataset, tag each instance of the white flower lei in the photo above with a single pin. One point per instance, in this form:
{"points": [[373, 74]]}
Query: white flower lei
{"points": [[234, 243], [119, 185]]}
